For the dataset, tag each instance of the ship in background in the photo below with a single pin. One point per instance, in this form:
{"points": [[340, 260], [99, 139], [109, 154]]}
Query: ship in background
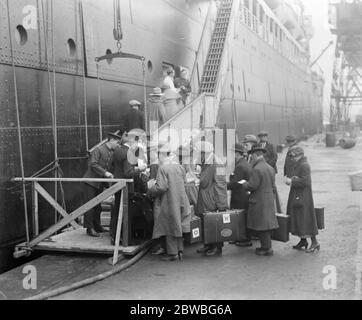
{"points": [[248, 61]]}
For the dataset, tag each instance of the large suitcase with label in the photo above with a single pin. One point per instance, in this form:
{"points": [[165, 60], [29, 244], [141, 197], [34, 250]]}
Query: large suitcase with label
{"points": [[224, 226], [282, 233]]}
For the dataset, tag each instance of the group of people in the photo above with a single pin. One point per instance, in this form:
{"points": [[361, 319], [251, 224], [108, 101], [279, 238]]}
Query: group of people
{"points": [[163, 103], [252, 187]]}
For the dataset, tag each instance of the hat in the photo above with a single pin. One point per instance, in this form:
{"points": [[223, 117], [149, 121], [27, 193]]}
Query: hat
{"points": [[296, 151], [157, 92], [114, 136], [290, 138], [204, 146], [238, 147], [263, 134], [134, 103], [250, 138], [257, 147]]}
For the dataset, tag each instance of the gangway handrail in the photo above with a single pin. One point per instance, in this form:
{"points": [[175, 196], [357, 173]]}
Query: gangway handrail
{"points": [[118, 185]]}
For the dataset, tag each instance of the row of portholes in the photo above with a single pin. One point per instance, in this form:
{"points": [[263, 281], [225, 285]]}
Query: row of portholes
{"points": [[21, 38]]}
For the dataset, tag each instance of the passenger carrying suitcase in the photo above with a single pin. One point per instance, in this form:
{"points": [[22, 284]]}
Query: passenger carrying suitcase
{"points": [[195, 234], [319, 213], [224, 226], [282, 234]]}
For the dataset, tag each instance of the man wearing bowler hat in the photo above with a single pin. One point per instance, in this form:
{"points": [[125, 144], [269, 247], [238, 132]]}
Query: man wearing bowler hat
{"points": [[156, 107], [261, 210], [239, 196], [99, 166], [271, 155], [134, 119], [289, 164]]}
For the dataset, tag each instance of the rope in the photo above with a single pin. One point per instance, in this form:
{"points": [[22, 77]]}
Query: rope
{"points": [[18, 125], [99, 105], [145, 95], [84, 79]]}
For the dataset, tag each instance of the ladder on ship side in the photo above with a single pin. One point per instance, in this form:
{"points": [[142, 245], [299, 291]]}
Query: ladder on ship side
{"points": [[213, 61]]}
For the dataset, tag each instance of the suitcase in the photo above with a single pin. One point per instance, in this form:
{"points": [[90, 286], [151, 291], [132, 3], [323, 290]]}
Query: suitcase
{"points": [[282, 233], [319, 213], [224, 226], [195, 234]]}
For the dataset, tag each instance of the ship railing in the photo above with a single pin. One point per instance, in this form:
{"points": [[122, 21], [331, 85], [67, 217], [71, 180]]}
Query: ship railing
{"points": [[69, 218], [203, 49]]}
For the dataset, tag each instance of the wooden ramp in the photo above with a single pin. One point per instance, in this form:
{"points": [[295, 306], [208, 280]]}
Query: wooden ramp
{"points": [[78, 241]]}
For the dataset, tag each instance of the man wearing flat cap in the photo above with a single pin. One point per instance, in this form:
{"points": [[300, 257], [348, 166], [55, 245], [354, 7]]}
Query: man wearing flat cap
{"points": [[289, 164], [261, 211], [249, 141], [99, 166], [271, 155], [239, 196], [134, 119]]}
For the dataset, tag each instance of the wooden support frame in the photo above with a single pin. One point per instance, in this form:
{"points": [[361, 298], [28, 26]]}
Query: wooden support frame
{"points": [[120, 185]]}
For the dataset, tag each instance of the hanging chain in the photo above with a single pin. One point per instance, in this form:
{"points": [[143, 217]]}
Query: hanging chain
{"points": [[117, 31]]}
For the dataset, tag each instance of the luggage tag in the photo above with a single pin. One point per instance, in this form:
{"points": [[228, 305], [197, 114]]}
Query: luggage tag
{"points": [[226, 218], [195, 233]]}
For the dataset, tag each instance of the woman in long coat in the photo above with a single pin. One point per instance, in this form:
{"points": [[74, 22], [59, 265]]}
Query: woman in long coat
{"points": [[300, 202], [171, 207]]}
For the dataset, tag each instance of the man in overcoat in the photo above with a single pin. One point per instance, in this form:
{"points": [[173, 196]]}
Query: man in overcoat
{"points": [[271, 155], [289, 163], [212, 194], [261, 212], [99, 166], [172, 212], [239, 196]]}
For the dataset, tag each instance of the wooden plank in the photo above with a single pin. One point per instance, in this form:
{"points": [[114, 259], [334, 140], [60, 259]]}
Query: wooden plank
{"points": [[118, 230], [77, 213], [35, 209], [53, 203], [125, 229], [71, 180]]}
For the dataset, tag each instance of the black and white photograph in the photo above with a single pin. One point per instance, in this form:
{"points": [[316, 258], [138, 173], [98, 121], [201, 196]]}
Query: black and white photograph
{"points": [[199, 152]]}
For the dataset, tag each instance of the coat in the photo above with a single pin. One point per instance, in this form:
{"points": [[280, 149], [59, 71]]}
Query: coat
{"points": [[271, 155], [261, 211], [300, 202], [172, 213], [157, 111], [122, 169], [239, 196], [99, 162], [289, 164], [212, 190], [134, 119]]}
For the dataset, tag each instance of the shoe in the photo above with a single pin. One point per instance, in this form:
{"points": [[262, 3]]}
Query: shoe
{"points": [[180, 255], [264, 252], [100, 229], [170, 258], [243, 244], [313, 248], [233, 242], [203, 250], [302, 244], [91, 232], [159, 252], [213, 252]]}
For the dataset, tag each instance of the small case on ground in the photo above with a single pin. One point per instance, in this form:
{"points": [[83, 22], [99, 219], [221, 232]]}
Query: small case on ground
{"points": [[319, 213], [195, 234], [224, 226], [282, 234]]}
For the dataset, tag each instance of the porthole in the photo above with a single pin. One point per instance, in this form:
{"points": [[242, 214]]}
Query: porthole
{"points": [[72, 48], [109, 51], [149, 66], [21, 36]]}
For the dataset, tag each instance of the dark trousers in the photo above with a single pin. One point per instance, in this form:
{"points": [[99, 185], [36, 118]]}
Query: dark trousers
{"points": [[92, 218], [265, 239]]}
